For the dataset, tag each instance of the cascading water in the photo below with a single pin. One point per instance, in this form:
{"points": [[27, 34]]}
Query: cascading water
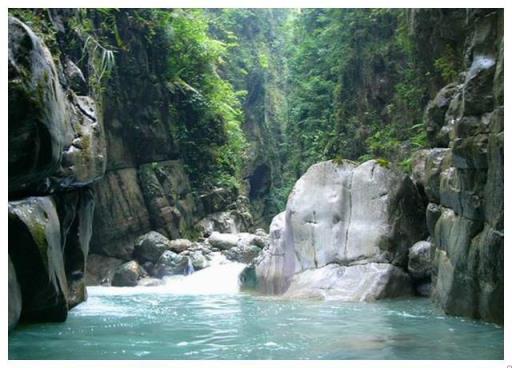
{"points": [[190, 268]]}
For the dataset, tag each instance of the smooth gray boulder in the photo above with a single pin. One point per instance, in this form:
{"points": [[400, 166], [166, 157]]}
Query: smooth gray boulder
{"points": [[128, 274], [150, 246], [420, 261], [344, 214], [14, 297], [361, 283]]}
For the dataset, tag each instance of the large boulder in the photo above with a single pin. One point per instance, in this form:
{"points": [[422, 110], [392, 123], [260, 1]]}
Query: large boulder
{"points": [[14, 297], [36, 109], [344, 214], [149, 247], [35, 249], [127, 274], [56, 139]]}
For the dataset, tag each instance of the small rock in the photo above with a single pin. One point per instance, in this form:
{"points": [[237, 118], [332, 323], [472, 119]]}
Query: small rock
{"points": [[127, 274], [242, 254], [150, 281], [170, 263], [420, 263], [150, 246], [179, 245]]}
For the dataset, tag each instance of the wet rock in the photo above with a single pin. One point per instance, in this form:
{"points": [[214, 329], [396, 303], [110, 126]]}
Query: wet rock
{"points": [[198, 260], [14, 297], [35, 249], [127, 274], [150, 246], [100, 269], [171, 263], [149, 281], [420, 262], [75, 77]]}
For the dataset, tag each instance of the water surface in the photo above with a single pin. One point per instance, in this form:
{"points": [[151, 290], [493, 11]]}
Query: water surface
{"points": [[216, 322]]}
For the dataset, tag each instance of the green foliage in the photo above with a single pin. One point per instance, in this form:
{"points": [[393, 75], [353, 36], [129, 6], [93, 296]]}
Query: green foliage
{"points": [[447, 65], [355, 87], [213, 142], [384, 163]]}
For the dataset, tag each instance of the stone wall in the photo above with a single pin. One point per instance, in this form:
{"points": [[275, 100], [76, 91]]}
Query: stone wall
{"points": [[462, 176], [56, 151]]}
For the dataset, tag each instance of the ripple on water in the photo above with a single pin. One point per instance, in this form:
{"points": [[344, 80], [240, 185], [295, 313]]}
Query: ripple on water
{"points": [[129, 324]]}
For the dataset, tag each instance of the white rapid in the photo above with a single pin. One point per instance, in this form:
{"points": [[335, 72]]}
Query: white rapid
{"points": [[221, 277]]}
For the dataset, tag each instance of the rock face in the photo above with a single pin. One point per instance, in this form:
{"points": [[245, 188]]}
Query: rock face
{"points": [[464, 181], [100, 269], [55, 137], [35, 248], [343, 214], [14, 297], [56, 150]]}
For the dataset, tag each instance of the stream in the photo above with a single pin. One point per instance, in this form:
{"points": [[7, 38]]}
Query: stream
{"points": [[204, 316]]}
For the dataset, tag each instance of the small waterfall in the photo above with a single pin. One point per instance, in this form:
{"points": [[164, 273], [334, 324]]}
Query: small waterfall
{"points": [[190, 268], [220, 278]]}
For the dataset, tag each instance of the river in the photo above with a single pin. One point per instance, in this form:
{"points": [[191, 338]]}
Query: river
{"points": [[204, 316]]}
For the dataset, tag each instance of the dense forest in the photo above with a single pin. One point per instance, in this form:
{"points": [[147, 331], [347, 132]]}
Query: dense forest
{"points": [[273, 91], [334, 154]]}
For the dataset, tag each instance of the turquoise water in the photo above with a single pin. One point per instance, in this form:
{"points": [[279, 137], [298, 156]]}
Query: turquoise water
{"points": [[203, 316]]}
